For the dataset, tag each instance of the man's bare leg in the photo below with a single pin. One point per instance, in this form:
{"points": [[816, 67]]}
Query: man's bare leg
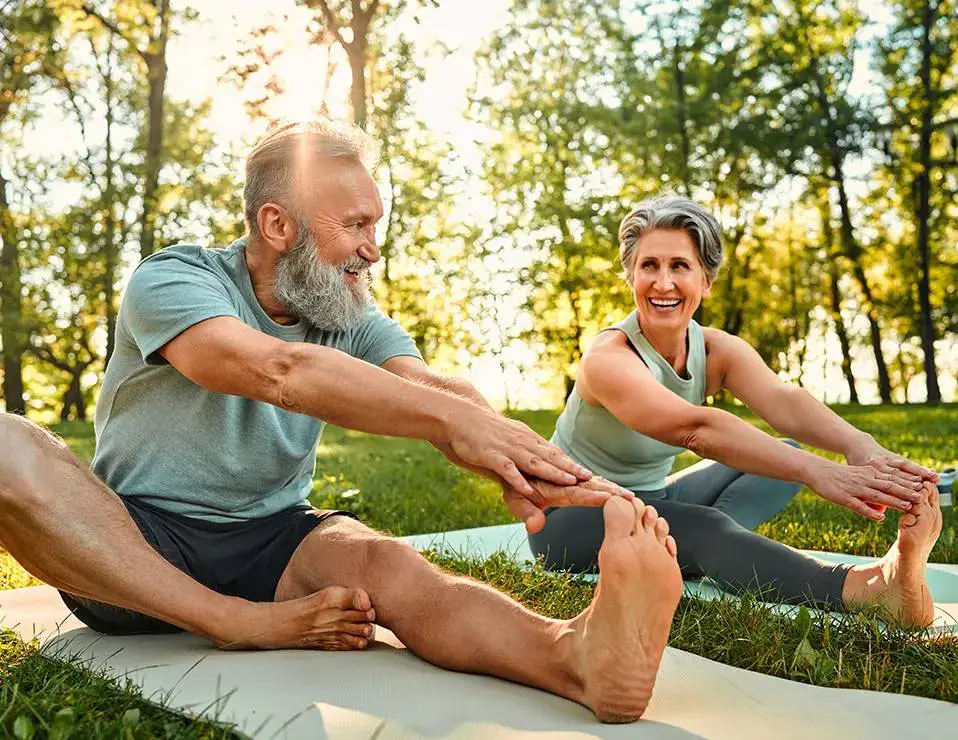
{"points": [[606, 658], [896, 583], [68, 529]]}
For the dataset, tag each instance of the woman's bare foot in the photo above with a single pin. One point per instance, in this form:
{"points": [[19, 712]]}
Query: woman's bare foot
{"points": [[623, 633], [334, 618], [897, 582]]}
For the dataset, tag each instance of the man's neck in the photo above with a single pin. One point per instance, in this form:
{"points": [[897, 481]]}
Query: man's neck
{"points": [[262, 274]]}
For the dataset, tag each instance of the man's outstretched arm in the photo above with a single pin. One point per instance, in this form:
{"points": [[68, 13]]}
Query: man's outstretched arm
{"points": [[527, 508], [225, 355]]}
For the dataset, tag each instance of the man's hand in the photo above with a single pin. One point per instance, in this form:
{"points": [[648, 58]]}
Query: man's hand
{"points": [[863, 488], [531, 509], [868, 452], [511, 450]]}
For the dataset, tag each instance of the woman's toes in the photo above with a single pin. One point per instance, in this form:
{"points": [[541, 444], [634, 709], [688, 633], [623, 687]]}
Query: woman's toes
{"points": [[671, 546]]}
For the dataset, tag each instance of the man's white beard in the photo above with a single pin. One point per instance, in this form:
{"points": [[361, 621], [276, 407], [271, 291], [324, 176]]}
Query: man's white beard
{"points": [[316, 291]]}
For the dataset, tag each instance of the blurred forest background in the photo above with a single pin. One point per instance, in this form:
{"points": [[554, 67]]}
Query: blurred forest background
{"points": [[515, 135]]}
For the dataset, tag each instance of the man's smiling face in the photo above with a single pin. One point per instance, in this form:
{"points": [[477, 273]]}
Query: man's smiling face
{"points": [[323, 277]]}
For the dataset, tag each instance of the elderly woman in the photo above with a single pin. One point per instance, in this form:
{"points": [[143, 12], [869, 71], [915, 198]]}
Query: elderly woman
{"points": [[637, 402]]}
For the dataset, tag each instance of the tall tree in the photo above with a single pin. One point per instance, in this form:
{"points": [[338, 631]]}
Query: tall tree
{"points": [[809, 51], [144, 25], [543, 85], [27, 30], [920, 62]]}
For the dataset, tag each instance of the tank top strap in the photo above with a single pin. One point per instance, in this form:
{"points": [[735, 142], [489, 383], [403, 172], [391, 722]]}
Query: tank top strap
{"points": [[694, 383]]}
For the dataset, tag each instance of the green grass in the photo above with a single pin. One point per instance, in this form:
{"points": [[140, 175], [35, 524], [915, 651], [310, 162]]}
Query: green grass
{"points": [[406, 487]]}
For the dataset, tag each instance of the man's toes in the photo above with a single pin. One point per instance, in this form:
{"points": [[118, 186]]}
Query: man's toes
{"points": [[360, 600], [356, 642], [661, 529], [360, 629], [619, 518], [649, 518], [351, 615]]}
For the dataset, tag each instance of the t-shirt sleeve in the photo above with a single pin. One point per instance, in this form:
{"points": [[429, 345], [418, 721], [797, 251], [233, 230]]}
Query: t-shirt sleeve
{"points": [[166, 296], [379, 338]]}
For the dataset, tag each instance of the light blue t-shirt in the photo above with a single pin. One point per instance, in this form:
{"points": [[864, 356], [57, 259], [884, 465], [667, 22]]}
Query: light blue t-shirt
{"points": [[594, 437], [171, 443]]}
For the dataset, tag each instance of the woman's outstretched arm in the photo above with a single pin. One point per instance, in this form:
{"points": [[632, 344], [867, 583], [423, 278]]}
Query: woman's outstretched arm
{"points": [[611, 375], [792, 411]]}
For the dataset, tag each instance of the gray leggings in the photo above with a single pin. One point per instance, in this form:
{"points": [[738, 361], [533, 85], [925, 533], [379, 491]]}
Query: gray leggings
{"points": [[711, 510]]}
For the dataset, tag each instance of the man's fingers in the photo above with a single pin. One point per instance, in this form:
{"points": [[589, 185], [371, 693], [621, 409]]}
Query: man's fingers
{"points": [[558, 459], [524, 510], [537, 466], [507, 469]]}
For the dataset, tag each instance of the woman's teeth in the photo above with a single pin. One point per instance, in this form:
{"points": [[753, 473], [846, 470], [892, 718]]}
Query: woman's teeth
{"points": [[664, 303]]}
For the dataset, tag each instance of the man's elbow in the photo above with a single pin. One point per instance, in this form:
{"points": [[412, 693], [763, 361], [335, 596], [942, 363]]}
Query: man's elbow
{"points": [[278, 379]]}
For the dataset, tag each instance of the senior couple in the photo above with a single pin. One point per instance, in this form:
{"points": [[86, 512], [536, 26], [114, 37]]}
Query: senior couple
{"points": [[228, 362]]}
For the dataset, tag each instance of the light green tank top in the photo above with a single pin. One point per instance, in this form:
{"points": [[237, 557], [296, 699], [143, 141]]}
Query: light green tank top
{"points": [[592, 436]]}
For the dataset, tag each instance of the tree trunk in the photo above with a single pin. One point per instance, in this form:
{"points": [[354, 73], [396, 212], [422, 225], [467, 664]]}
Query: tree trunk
{"points": [[853, 253], [835, 156], [836, 301], [923, 210], [73, 398], [109, 230], [11, 309], [155, 58], [357, 89]]}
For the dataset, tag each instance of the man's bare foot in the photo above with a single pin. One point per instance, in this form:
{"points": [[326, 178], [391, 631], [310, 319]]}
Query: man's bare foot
{"points": [[334, 618], [897, 582], [623, 633]]}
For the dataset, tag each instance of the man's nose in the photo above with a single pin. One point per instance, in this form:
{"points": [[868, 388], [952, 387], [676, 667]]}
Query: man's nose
{"points": [[370, 250]]}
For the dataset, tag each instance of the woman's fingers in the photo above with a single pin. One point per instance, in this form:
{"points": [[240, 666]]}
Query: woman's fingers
{"points": [[887, 501], [920, 471], [886, 484], [860, 507]]}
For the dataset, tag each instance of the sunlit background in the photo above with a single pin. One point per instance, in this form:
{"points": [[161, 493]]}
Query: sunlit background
{"points": [[472, 266]]}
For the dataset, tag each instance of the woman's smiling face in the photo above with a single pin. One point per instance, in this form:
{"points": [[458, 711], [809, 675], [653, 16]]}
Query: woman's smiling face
{"points": [[668, 279]]}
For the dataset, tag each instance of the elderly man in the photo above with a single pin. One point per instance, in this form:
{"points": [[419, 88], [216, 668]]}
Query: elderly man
{"points": [[227, 364]]}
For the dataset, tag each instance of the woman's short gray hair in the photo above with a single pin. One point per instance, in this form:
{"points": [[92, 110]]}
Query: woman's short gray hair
{"points": [[671, 212], [288, 148]]}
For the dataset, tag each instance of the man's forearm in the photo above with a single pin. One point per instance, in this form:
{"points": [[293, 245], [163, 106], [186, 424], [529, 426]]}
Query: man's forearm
{"points": [[331, 385]]}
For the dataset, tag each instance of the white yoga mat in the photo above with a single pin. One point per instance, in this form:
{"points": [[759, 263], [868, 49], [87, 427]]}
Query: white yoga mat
{"points": [[386, 693]]}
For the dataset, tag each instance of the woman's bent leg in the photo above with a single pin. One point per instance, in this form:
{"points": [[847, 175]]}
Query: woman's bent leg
{"points": [[749, 499]]}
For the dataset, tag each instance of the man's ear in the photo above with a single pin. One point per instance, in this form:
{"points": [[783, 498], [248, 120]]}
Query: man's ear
{"points": [[276, 228]]}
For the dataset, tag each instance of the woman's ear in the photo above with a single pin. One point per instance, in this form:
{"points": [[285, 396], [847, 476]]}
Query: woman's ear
{"points": [[707, 290]]}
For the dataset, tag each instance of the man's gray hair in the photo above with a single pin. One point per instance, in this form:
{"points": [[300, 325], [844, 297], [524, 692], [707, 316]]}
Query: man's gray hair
{"points": [[287, 151], [671, 212]]}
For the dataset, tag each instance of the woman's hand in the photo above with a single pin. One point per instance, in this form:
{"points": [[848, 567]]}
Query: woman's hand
{"points": [[868, 452], [862, 488]]}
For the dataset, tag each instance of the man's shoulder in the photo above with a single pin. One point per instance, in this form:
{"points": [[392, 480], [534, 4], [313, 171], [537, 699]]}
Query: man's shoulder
{"points": [[196, 255]]}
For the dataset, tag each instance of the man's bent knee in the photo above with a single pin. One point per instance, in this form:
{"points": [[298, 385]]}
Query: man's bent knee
{"points": [[26, 447]]}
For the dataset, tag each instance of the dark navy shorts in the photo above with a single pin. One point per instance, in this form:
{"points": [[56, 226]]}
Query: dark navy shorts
{"points": [[244, 559]]}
